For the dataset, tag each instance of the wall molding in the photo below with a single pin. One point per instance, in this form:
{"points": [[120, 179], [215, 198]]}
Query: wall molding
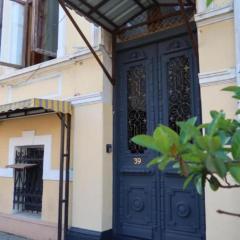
{"points": [[58, 77], [51, 64], [214, 15], [61, 32], [29, 138], [218, 77], [83, 234], [90, 98]]}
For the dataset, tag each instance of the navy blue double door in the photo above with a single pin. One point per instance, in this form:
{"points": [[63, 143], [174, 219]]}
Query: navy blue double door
{"points": [[156, 83]]}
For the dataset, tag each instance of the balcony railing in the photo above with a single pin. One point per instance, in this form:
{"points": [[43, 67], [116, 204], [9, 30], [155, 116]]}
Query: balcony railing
{"points": [[217, 4]]}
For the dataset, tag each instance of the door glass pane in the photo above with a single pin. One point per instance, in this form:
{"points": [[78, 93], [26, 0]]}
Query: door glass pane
{"points": [[137, 115], [12, 33], [46, 27], [179, 90]]}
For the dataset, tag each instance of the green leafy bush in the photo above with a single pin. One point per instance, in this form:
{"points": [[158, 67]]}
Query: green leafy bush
{"points": [[206, 153], [209, 2]]}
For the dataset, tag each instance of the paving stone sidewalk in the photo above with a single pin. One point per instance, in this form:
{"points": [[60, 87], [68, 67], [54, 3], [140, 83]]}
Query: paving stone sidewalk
{"points": [[5, 236]]}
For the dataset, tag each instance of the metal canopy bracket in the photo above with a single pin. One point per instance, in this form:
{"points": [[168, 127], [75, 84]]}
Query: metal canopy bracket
{"points": [[63, 200], [61, 2], [115, 22], [193, 40]]}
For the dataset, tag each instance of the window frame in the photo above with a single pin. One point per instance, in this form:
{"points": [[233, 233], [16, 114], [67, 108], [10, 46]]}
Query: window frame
{"points": [[31, 53], [7, 64], [34, 42]]}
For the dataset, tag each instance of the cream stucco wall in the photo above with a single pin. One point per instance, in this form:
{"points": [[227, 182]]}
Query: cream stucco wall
{"points": [[92, 181], [78, 77], [216, 35], [74, 76], [14, 128], [77, 80], [220, 227], [216, 46]]}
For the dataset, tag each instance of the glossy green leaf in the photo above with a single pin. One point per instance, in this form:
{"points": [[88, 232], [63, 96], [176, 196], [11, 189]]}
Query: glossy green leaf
{"points": [[236, 145], [202, 142], [188, 130], [162, 140], [237, 112], [199, 184], [214, 183], [173, 136], [191, 157], [235, 173], [233, 164], [145, 141], [167, 140], [154, 161], [235, 90], [164, 163], [231, 89], [214, 125], [187, 181], [219, 163], [209, 2]]}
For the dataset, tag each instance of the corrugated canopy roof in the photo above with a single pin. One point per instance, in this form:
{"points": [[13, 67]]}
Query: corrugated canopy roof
{"points": [[17, 109], [113, 14]]}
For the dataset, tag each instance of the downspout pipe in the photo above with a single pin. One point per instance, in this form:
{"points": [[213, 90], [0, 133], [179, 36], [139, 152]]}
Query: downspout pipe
{"points": [[237, 39]]}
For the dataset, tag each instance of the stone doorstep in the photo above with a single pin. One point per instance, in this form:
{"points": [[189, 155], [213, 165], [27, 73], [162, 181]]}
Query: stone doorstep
{"points": [[6, 236]]}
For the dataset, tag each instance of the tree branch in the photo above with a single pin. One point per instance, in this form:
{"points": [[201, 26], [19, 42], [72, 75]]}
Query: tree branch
{"points": [[229, 186], [228, 213]]}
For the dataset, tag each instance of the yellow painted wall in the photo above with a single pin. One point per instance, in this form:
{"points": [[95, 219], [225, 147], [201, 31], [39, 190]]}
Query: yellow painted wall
{"points": [[107, 168], [217, 53], [92, 182], [74, 42], [50, 201], [6, 195], [62, 81], [88, 167], [213, 98], [42, 125], [220, 227], [216, 46], [91, 189], [91, 204]]}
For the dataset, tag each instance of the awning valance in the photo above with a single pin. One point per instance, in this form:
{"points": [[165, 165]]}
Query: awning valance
{"points": [[33, 105]]}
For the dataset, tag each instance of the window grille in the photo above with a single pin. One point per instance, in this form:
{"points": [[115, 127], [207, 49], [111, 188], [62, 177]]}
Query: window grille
{"points": [[154, 20], [28, 183]]}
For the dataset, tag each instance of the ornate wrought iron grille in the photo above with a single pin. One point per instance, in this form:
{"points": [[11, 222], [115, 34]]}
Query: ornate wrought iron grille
{"points": [[179, 90], [137, 115], [154, 20], [28, 183]]}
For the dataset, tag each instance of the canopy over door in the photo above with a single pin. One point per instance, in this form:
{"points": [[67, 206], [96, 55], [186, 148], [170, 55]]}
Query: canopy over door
{"points": [[114, 14]]}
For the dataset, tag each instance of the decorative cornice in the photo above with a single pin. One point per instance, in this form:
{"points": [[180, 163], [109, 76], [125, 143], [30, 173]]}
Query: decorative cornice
{"points": [[218, 77], [86, 99], [214, 15], [55, 63]]}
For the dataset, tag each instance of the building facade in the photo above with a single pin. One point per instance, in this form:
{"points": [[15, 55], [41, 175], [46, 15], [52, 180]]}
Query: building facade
{"points": [[112, 193]]}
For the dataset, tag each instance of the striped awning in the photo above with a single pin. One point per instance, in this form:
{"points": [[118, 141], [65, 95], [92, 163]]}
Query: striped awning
{"points": [[36, 103]]}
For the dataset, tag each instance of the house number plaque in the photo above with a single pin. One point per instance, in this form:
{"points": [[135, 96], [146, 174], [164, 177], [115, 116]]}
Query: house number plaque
{"points": [[137, 161]]}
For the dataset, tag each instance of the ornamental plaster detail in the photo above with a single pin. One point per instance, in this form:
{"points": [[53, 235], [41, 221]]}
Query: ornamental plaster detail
{"points": [[218, 77]]}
